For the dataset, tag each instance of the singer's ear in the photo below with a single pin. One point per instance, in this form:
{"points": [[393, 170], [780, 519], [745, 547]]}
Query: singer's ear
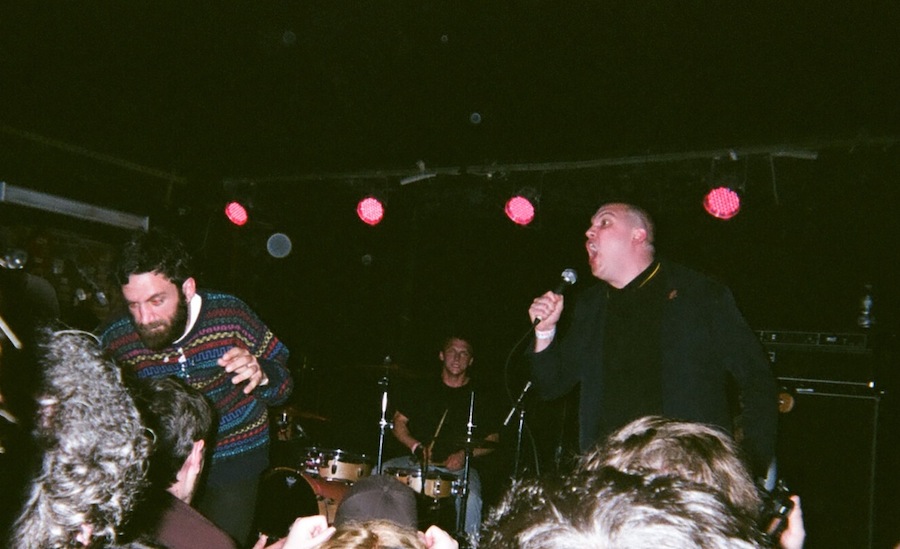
{"points": [[639, 235]]}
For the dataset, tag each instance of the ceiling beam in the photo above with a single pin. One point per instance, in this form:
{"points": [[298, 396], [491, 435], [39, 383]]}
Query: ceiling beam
{"points": [[808, 150], [93, 155]]}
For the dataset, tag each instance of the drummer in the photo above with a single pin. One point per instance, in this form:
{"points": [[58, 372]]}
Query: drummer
{"points": [[432, 421]]}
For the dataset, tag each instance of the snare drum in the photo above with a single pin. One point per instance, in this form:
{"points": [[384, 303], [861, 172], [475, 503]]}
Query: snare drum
{"points": [[286, 493], [437, 484], [398, 473], [341, 465]]}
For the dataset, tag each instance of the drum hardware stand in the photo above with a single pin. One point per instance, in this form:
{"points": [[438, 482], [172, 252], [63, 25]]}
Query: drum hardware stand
{"points": [[383, 423], [518, 406], [463, 494]]}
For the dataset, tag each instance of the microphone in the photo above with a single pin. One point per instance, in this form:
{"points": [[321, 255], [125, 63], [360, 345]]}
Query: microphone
{"points": [[567, 278]]}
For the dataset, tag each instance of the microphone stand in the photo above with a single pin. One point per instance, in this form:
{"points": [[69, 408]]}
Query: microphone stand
{"points": [[464, 488], [383, 423], [518, 406]]}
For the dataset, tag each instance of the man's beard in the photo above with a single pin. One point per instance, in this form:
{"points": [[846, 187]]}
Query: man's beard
{"points": [[156, 340]]}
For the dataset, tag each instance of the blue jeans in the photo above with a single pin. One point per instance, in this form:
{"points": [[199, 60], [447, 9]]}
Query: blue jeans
{"points": [[473, 503]]}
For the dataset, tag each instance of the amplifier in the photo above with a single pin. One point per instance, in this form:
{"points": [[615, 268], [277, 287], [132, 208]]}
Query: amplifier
{"points": [[821, 362], [815, 341]]}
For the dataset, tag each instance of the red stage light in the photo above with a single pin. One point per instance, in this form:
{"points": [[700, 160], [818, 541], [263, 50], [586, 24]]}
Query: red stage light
{"points": [[519, 210], [370, 210], [236, 213], [722, 202]]}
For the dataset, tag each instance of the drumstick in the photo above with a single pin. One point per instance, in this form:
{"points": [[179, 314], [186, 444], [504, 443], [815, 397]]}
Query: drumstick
{"points": [[437, 432], [425, 455], [15, 341]]}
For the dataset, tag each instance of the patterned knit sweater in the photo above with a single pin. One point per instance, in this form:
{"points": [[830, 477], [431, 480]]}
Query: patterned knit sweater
{"points": [[224, 322]]}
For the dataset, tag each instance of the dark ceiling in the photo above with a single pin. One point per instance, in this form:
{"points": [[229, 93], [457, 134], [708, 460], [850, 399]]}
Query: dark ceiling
{"points": [[207, 91]]}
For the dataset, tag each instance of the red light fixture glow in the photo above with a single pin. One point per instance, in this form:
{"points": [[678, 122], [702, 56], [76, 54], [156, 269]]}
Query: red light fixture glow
{"points": [[722, 202], [236, 213], [519, 210], [370, 210]]}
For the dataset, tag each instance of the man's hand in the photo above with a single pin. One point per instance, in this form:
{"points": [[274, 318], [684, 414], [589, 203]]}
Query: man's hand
{"points": [[456, 460], [435, 538], [261, 543], [795, 533], [545, 311], [548, 308], [421, 453], [306, 533], [245, 367]]}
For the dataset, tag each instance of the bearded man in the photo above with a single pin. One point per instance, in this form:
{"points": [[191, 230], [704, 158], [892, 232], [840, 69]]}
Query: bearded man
{"points": [[218, 345]]}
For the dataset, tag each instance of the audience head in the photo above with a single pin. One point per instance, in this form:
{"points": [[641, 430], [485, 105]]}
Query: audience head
{"points": [[608, 508], [374, 534], [95, 449], [378, 497], [181, 420], [655, 445]]}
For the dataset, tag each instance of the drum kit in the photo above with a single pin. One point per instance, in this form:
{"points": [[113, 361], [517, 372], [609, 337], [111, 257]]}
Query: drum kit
{"points": [[318, 484], [317, 478]]}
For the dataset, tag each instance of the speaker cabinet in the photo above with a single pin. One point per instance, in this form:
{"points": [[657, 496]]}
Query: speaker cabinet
{"points": [[827, 448], [839, 433]]}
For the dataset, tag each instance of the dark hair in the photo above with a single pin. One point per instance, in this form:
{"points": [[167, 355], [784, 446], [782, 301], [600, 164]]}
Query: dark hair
{"points": [[179, 415], [445, 343], [155, 251]]}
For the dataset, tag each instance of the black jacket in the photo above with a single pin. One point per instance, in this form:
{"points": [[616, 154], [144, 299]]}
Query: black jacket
{"points": [[705, 345]]}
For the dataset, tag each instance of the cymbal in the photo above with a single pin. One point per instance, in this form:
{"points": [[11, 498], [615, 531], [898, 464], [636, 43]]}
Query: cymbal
{"points": [[294, 412], [311, 415], [475, 443], [391, 367], [387, 369]]}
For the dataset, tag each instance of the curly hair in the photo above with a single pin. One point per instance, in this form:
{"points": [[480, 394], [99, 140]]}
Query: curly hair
{"points": [[155, 251], [692, 451], [95, 448]]}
